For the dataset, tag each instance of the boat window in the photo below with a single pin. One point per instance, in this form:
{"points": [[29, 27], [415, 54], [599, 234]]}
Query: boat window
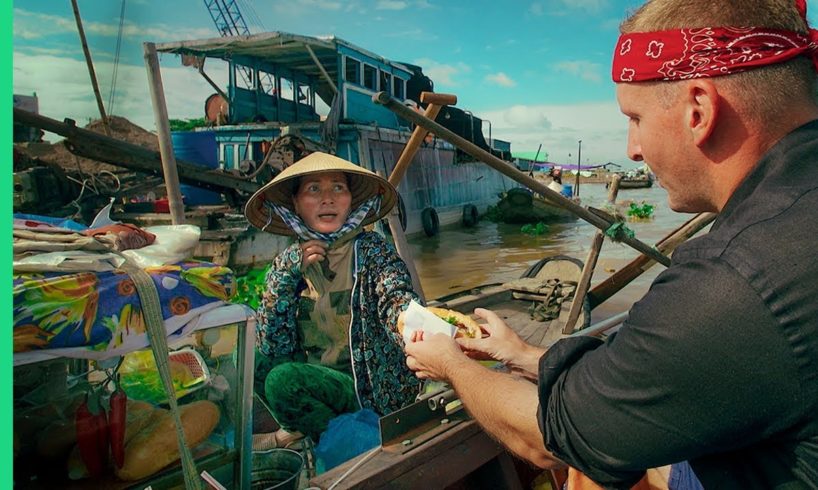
{"points": [[229, 156], [386, 82], [398, 85], [352, 70], [286, 89], [267, 83], [303, 93], [244, 77], [370, 77]]}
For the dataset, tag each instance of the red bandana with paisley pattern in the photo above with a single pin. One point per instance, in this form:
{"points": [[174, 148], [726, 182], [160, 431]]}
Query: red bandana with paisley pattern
{"points": [[681, 54]]}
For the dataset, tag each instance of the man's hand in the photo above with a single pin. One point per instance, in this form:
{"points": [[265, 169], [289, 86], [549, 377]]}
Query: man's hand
{"points": [[313, 251], [501, 344], [434, 356]]}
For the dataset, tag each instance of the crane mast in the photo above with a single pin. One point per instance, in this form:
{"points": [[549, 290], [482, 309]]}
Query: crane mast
{"points": [[229, 22], [227, 17]]}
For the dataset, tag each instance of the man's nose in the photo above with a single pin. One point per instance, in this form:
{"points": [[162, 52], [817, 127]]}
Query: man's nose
{"points": [[634, 149]]}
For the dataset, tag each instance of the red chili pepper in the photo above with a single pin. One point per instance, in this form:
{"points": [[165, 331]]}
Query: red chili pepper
{"points": [[103, 443], [89, 435], [116, 425]]}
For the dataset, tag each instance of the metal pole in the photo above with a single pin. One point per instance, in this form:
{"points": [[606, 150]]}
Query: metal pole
{"points": [[579, 165], [508, 170], [90, 67], [160, 115]]}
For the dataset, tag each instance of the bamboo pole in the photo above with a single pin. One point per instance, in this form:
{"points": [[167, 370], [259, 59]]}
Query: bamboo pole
{"points": [[607, 288], [503, 167], [590, 264], [90, 64], [160, 115], [435, 102]]}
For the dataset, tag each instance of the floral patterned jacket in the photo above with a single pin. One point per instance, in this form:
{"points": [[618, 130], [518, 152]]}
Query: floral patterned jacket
{"points": [[382, 288]]}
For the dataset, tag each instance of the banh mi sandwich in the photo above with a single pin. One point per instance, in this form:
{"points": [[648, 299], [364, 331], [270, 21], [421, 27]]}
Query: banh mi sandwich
{"points": [[465, 326]]}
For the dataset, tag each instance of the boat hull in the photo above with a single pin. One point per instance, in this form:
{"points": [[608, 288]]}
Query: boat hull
{"points": [[520, 206], [437, 180], [634, 184]]}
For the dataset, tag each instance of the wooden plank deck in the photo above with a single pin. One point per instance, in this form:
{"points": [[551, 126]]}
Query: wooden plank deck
{"points": [[436, 464]]}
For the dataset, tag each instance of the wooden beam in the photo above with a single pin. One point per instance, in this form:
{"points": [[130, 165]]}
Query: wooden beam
{"points": [[160, 116], [321, 68], [123, 154]]}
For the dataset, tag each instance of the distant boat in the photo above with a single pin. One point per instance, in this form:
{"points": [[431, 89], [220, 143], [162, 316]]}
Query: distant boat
{"points": [[641, 181], [520, 206]]}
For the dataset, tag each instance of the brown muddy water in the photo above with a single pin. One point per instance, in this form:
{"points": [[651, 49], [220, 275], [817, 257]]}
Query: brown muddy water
{"points": [[460, 258]]}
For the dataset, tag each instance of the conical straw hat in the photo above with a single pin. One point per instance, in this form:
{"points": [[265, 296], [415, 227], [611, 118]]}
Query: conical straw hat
{"points": [[363, 184]]}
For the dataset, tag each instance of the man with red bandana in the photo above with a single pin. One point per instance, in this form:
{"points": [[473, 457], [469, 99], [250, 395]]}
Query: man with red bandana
{"points": [[718, 363]]}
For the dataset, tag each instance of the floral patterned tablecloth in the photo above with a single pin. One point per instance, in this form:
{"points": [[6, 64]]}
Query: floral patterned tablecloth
{"points": [[100, 313]]}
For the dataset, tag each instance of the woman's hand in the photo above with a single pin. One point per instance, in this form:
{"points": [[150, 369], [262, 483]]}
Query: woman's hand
{"points": [[313, 251]]}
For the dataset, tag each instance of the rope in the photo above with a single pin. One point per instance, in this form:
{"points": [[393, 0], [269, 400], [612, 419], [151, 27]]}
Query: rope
{"points": [[116, 59], [619, 231], [152, 312]]}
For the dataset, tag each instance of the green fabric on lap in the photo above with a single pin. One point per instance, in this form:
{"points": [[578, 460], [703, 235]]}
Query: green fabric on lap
{"points": [[305, 397]]}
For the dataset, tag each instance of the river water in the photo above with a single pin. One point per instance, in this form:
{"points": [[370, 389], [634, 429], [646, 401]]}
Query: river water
{"points": [[460, 258]]}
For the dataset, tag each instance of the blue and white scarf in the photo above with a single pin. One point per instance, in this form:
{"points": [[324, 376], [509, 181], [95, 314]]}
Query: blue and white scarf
{"points": [[305, 233]]}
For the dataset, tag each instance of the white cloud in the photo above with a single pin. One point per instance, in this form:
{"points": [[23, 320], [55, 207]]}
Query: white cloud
{"points": [[390, 5], [535, 9], [502, 45], [585, 70], [520, 116], [586, 5], [416, 34], [308, 7], [29, 25], [600, 126], [501, 79], [63, 88], [442, 74]]}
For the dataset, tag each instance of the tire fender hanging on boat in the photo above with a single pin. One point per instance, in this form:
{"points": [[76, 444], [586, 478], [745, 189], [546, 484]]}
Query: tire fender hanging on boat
{"points": [[520, 197], [430, 221], [470, 215]]}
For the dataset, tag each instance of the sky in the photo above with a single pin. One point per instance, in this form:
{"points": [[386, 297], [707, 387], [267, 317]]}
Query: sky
{"points": [[539, 71]]}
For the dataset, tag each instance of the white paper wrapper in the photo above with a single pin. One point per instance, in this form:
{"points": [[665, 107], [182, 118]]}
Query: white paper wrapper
{"points": [[417, 317]]}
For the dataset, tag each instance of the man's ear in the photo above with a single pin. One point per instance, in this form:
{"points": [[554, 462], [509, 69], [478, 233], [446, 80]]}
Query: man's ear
{"points": [[704, 103]]}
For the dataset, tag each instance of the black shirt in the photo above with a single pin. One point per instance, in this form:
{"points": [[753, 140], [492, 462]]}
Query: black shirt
{"points": [[718, 362]]}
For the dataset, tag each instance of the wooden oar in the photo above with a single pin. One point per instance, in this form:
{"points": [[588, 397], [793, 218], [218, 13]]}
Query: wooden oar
{"points": [[435, 103], [610, 286], [509, 170]]}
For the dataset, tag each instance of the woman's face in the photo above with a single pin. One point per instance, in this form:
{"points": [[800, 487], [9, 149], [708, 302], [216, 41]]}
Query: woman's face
{"points": [[323, 201]]}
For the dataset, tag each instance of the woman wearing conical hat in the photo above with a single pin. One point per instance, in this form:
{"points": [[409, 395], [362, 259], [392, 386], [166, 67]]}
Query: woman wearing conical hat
{"points": [[327, 340]]}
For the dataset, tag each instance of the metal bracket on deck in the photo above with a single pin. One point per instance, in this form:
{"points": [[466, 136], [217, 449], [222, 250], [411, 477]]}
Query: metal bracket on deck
{"points": [[411, 426]]}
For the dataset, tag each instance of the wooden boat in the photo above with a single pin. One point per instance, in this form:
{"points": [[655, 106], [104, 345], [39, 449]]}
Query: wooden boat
{"points": [[436, 439], [520, 206], [319, 89], [642, 181]]}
